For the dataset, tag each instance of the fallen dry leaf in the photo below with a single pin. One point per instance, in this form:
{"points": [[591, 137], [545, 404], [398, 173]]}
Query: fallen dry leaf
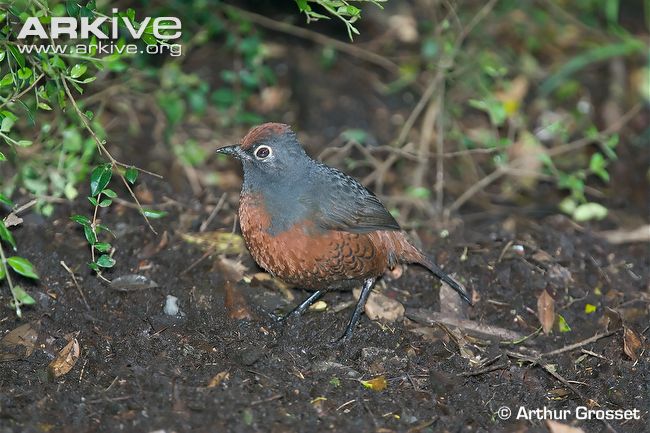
{"points": [[219, 242], [546, 311], [613, 317], [218, 379], [451, 305], [232, 270], [381, 307], [235, 303], [556, 427], [19, 343], [270, 282], [66, 359], [631, 343], [378, 383]]}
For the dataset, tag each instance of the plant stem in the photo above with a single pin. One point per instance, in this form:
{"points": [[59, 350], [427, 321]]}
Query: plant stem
{"points": [[3, 263]]}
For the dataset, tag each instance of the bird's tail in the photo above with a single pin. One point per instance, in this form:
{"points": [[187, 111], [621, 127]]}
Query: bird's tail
{"points": [[435, 269], [401, 250]]}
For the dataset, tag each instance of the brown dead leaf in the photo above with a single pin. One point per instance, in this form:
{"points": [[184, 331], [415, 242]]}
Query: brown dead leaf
{"points": [[378, 383], [235, 303], [527, 151], [614, 320], [270, 282], [218, 242], [451, 304], [143, 193], [218, 379], [381, 307], [511, 97], [66, 359], [19, 343], [232, 270], [546, 311], [556, 427], [632, 343]]}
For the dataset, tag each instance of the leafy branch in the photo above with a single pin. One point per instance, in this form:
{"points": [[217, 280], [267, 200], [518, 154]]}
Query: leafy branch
{"points": [[341, 9]]}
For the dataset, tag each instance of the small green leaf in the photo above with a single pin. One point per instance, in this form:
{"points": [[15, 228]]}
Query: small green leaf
{"points": [[153, 214], [81, 219], [102, 247], [2, 157], [78, 70], [589, 211], [24, 73], [105, 261], [105, 228], [131, 174], [91, 237], [3, 272], [590, 308], [4, 199], [99, 178], [109, 193], [93, 266], [44, 106], [22, 266], [6, 235], [93, 201], [105, 203], [24, 143], [22, 296], [6, 124], [562, 324]]}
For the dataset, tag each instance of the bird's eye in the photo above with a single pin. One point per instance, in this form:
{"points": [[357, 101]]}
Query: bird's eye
{"points": [[262, 152]]}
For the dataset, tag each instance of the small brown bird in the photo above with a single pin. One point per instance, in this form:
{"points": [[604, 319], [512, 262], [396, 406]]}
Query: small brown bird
{"points": [[312, 225]]}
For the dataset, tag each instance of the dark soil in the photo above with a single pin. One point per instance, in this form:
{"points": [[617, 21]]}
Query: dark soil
{"points": [[141, 370]]}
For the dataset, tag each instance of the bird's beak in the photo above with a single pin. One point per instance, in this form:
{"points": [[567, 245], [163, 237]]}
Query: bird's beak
{"points": [[234, 151]]}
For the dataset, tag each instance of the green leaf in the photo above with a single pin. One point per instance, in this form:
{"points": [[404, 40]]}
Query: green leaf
{"points": [[3, 272], [6, 124], [131, 174], [589, 211], [562, 324], [153, 214], [105, 203], [22, 296], [93, 266], [4, 199], [24, 143], [590, 308], [22, 266], [99, 178], [91, 237], [109, 193], [102, 247], [24, 73], [105, 261], [6, 235], [44, 106], [2, 157], [104, 228], [81, 219]]}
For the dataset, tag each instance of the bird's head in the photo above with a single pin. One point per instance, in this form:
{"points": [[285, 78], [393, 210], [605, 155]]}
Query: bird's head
{"points": [[270, 148]]}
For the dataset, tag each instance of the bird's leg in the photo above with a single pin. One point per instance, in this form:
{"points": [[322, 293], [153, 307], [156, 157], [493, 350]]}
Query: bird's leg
{"points": [[358, 309], [302, 307]]}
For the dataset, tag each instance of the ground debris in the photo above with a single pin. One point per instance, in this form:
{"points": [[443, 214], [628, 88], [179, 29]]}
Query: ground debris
{"points": [[66, 358], [20, 342]]}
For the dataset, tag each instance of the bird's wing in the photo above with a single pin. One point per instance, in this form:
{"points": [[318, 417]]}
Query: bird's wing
{"points": [[339, 202]]}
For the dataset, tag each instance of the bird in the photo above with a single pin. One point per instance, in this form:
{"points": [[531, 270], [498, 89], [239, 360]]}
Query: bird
{"points": [[315, 227]]}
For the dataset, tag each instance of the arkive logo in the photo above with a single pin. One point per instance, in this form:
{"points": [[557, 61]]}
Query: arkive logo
{"points": [[85, 28]]}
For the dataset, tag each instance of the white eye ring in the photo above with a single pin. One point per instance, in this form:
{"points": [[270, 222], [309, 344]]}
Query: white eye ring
{"points": [[263, 152]]}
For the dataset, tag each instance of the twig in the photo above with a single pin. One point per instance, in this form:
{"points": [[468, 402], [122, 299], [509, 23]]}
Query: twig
{"points": [[569, 147], [76, 283], [318, 38], [18, 96], [217, 208], [102, 149], [580, 344]]}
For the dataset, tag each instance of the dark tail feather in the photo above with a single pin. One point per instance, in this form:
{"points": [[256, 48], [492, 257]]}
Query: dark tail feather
{"points": [[430, 265]]}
